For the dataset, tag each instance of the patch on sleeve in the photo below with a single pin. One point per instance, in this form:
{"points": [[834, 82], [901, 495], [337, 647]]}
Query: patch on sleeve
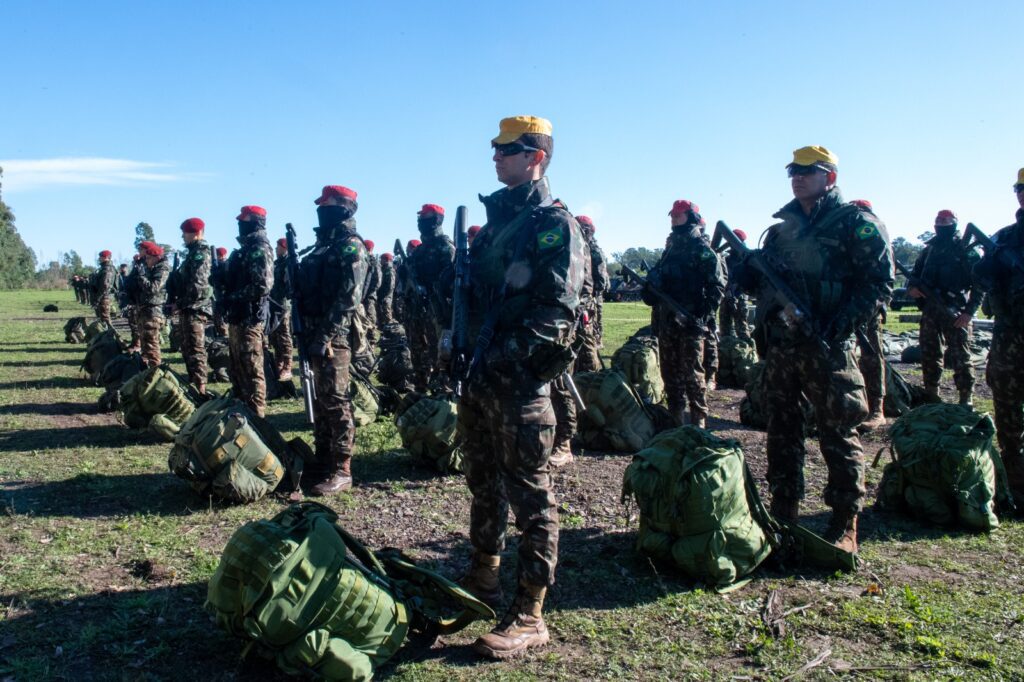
{"points": [[350, 249], [549, 239], [866, 231], [198, 257]]}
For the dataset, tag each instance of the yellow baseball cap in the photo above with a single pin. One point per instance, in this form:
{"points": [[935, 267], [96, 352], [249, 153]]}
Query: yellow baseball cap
{"points": [[814, 155], [1020, 178], [511, 129]]}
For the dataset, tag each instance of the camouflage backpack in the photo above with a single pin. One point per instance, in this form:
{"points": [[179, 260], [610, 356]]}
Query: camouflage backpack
{"points": [[102, 349], [615, 419], [736, 360], [395, 367], [74, 330], [159, 399], [365, 407], [945, 468], [427, 427], [115, 373], [638, 361], [754, 406], [218, 356], [94, 329], [223, 449], [306, 594]]}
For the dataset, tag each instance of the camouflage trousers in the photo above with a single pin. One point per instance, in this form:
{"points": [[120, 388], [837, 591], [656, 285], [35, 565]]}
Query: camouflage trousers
{"points": [[598, 323], [132, 313], [248, 382], [507, 445], [935, 333], [835, 388], [711, 351], [150, 321], [565, 412], [733, 316], [193, 346], [423, 337], [1005, 375], [588, 359], [103, 308], [385, 311], [681, 353], [220, 325], [334, 429], [370, 318], [281, 342], [872, 363]]}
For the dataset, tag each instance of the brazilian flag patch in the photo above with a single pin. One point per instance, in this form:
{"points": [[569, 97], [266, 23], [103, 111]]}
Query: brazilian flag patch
{"points": [[351, 250], [549, 239], [867, 231]]}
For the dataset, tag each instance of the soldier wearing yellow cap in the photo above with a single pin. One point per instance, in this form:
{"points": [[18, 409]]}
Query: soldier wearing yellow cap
{"points": [[1001, 274], [524, 296], [839, 263]]}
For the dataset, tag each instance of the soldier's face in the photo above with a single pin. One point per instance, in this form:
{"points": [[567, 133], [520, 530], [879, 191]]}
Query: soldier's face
{"points": [[810, 186], [1020, 195], [189, 237], [281, 250], [514, 169], [151, 260]]}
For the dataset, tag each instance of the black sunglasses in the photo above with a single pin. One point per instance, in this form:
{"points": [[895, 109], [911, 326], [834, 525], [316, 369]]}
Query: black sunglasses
{"points": [[803, 170], [513, 148]]}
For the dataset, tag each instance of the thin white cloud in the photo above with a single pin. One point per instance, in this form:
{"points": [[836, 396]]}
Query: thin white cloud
{"points": [[29, 174]]}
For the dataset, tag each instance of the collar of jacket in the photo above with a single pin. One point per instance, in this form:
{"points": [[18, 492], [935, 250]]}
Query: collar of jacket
{"points": [[829, 201], [512, 200], [253, 237], [690, 230]]}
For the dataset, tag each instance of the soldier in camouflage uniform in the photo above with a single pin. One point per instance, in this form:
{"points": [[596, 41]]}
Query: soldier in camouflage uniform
{"points": [[1001, 274], [944, 266], [248, 277], [595, 287], [836, 257], [104, 285], [427, 263], [220, 325], [526, 280], [194, 300], [872, 359], [151, 294], [691, 273], [281, 314], [370, 293], [331, 280], [386, 292], [733, 313], [131, 300]]}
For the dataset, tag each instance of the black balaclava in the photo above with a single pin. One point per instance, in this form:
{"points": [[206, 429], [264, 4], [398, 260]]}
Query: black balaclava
{"points": [[330, 219], [430, 224], [945, 231], [247, 227]]}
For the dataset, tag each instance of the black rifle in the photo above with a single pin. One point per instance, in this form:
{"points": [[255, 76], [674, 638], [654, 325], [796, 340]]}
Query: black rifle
{"points": [[973, 236], [460, 349], [399, 251], [173, 285], [682, 314], [794, 313], [932, 299], [305, 371]]}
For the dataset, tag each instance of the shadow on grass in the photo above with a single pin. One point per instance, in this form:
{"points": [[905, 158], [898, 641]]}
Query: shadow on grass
{"points": [[75, 434], [78, 381], [77, 362], [33, 348], [100, 495]]}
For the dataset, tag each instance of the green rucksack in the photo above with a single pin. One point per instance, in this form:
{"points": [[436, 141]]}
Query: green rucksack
{"points": [[96, 328], [754, 406], [692, 491], [306, 594], [615, 419], [115, 374], [365, 407], [638, 361], [74, 330], [225, 450], [102, 349], [945, 468], [427, 427], [159, 399], [736, 360]]}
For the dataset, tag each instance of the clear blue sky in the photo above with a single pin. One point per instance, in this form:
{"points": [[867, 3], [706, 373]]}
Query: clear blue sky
{"points": [[115, 113]]}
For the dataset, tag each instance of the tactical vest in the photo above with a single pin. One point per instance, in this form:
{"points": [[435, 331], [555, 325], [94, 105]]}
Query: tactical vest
{"points": [[946, 268], [677, 271], [429, 261], [318, 276], [1007, 294]]}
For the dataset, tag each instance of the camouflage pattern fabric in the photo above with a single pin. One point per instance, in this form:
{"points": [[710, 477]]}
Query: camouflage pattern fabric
{"points": [[150, 321], [192, 324], [104, 285], [334, 429], [872, 361], [386, 295], [425, 305], [103, 308], [248, 276], [281, 342], [936, 332], [248, 380], [565, 412], [711, 351], [151, 286], [733, 315], [192, 285]]}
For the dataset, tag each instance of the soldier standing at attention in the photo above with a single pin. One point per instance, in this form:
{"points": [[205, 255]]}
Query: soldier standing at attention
{"points": [[594, 288], [151, 288], [525, 285], [733, 315], [838, 259], [194, 300], [691, 273], [872, 359], [220, 326], [331, 280], [104, 286], [386, 292], [1001, 274], [370, 291], [944, 266], [248, 278], [131, 299], [433, 257], [281, 304]]}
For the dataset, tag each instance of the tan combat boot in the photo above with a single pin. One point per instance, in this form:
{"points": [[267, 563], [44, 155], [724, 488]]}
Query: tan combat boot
{"points": [[561, 455], [483, 580], [785, 508], [875, 419], [842, 531], [521, 628], [340, 478]]}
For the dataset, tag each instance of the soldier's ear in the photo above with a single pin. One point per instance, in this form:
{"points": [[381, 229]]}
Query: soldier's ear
{"points": [[538, 157]]}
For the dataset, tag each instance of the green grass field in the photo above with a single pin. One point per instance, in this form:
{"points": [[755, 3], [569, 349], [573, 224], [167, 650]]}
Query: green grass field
{"points": [[105, 555]]}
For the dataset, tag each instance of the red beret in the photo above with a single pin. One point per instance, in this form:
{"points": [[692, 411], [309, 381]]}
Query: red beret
{"points": [[429, 209], [151, 249], [283, 242], [104, 254], [252, 212], [193, 225], [472, 232], [335, 192], [386, 256], [945, 217], [741, 234], [585, 220], [683, 206], [222, 251], [413, 243], [369, 244], [862, 203]]}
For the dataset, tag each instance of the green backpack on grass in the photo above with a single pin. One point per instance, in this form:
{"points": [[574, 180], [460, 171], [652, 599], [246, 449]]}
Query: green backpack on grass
{"points": [[736, 360], [102, 349], [95, 328], [616, 418], [115, 374], [74, 330], [945, 468], [306, 594], [900, 395], [427, 427], [638, 361], [365, 407], [159, 399]]}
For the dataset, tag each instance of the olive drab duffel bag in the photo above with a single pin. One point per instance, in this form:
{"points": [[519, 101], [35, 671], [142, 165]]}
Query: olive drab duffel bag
{"points": [[74, 330], [427, 427], [638, 361], [96, 328], [306, 594], [101, 350], [736, 360], [945, 468], [159, 399], [616, 418], [116, 374], [224, 450]]}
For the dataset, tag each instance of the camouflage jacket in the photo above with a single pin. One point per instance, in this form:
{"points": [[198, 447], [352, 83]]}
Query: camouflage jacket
{"points": [[945, 267], [104, 283], [387, 280], [373, 276], [528, 263], [279, 293], [691, 273], [1005, 284], [331, 281], [838, 260], [151, 286], [192, 287], [248, 278], [598, 268], [426, 269]]}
